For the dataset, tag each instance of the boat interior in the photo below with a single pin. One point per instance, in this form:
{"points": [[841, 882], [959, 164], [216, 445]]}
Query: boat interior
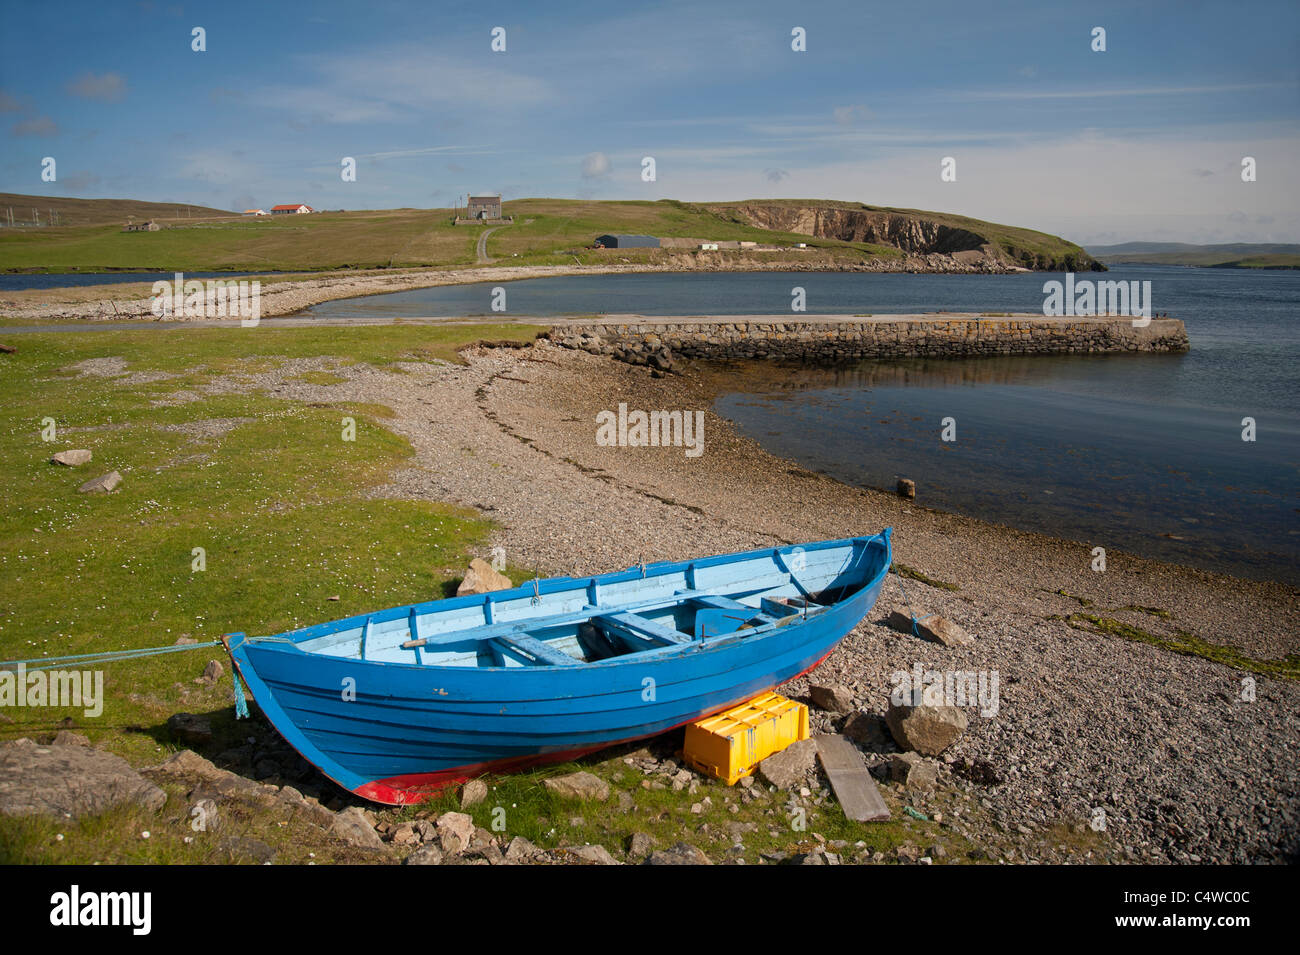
{"points": [[650, 609]]}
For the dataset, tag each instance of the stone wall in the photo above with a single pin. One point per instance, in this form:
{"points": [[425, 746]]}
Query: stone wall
{"points": [[831, 338]]}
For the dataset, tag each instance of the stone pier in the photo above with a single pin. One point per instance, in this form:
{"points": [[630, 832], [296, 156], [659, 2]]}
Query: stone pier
{"points": [[830, 338]]}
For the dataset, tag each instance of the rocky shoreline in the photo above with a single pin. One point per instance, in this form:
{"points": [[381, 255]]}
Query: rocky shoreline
{"points": [[1182, 766], [280, 297]]}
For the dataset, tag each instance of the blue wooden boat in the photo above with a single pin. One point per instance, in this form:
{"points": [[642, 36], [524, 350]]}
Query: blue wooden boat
{"points": [[397, 704]]}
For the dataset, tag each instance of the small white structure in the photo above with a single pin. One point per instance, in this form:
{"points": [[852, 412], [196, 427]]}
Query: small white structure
{"points": [[291, 209], [254, 212], [708, 247]]}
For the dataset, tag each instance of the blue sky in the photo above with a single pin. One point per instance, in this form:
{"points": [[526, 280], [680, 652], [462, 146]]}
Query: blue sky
{"points": [[1143, 141]]}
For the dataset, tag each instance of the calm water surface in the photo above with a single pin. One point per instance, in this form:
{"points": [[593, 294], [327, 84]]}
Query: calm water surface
{"points": [[1132, 452]]}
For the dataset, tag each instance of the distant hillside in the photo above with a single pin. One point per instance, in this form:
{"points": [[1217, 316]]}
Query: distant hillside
{"points": [[912, 230], [72, 212], [1237, 255], [799, 234]]}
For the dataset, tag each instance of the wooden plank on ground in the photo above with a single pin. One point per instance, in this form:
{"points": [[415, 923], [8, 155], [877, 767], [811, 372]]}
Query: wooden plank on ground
{"points": [[852, 782]]}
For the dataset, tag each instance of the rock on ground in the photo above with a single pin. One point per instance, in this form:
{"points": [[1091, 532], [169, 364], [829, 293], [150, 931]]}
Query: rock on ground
{"points": [[597, 855], [790, 766], [473, 793], [926, 729], [932, 627], [481, 578], [455, 832], [352, 827], [913, 771], [680, 853], [189, 765], [831, 697], [103, 484], [69, 781], [425, 855], [72, 457], [578, 786]]}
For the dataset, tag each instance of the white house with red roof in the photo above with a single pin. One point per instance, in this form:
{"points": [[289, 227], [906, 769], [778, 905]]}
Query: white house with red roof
{"points": [[290, 210]]}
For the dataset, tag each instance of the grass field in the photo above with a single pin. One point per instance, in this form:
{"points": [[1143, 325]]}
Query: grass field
{"points": [[545, 231]]}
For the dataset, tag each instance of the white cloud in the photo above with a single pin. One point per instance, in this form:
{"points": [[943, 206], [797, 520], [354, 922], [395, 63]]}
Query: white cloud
{"points": [[1089, 187], [848, 115], [595, 165], [36, 126], [109, 87]]}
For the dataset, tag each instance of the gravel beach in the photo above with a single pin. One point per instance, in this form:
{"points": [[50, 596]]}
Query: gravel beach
{"points": [[1169, 752]]}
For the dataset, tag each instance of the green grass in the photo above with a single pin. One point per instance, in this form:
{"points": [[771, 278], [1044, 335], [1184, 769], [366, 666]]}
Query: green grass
{"points": [[911, 573], [545, 232], [1209, 259], [1188, 644], [273, 494], [393, 238]]}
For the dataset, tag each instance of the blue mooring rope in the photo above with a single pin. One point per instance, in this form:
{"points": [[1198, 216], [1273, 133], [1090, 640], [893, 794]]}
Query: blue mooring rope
{"points": [[910, 611], [109, 656]]}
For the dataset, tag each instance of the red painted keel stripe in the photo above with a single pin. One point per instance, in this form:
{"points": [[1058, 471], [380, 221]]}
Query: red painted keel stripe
{"points": [[417, 787]]}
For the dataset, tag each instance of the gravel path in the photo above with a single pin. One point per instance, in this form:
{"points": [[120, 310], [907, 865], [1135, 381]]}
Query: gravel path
{"points": [[1183, 768]]}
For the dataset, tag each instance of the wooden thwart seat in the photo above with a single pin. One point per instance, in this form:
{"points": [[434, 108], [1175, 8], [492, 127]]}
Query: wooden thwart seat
{"points": [[536, 649], [639, 629]]}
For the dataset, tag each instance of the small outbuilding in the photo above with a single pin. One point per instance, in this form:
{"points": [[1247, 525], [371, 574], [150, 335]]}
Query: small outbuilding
{"points": [[149, 226], [627, 241]]}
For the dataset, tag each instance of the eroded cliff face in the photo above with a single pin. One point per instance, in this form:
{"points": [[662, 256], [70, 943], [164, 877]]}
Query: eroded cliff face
{"points": [[914, 235], [919, 236]]}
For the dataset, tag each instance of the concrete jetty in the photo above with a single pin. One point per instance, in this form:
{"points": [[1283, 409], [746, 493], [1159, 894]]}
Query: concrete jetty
{"points": [[839, 337]]}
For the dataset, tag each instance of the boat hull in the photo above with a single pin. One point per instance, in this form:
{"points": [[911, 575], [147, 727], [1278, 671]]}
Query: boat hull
{"points": [[396, 734]]}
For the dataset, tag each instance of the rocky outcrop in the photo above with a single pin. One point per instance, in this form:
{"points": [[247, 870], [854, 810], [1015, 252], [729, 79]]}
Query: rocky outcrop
{"points": [[911, 233], [69, 781]]}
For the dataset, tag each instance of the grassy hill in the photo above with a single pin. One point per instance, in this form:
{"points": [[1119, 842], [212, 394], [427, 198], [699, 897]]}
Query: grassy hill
{"points": [[78, 212], [545, 231], [1236, 255]]}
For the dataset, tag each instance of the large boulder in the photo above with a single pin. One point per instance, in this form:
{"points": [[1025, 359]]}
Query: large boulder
{"points": [[69, 781], [480, 578], [924, 728]]}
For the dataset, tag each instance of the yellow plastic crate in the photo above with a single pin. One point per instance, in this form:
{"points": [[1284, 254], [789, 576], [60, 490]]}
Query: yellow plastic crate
{"points": [[728, 746]]}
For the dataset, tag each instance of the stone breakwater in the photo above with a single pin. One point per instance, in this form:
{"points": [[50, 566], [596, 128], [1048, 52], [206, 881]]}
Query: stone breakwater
{"points": [[656, 340]]}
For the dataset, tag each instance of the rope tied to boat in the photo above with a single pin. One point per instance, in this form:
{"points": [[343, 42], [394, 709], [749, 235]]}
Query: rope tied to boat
{"points": [[111, 656], [915, 620]]}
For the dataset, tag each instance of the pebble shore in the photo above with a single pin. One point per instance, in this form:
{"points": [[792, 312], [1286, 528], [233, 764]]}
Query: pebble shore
{"points": [[1169, 750]]}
